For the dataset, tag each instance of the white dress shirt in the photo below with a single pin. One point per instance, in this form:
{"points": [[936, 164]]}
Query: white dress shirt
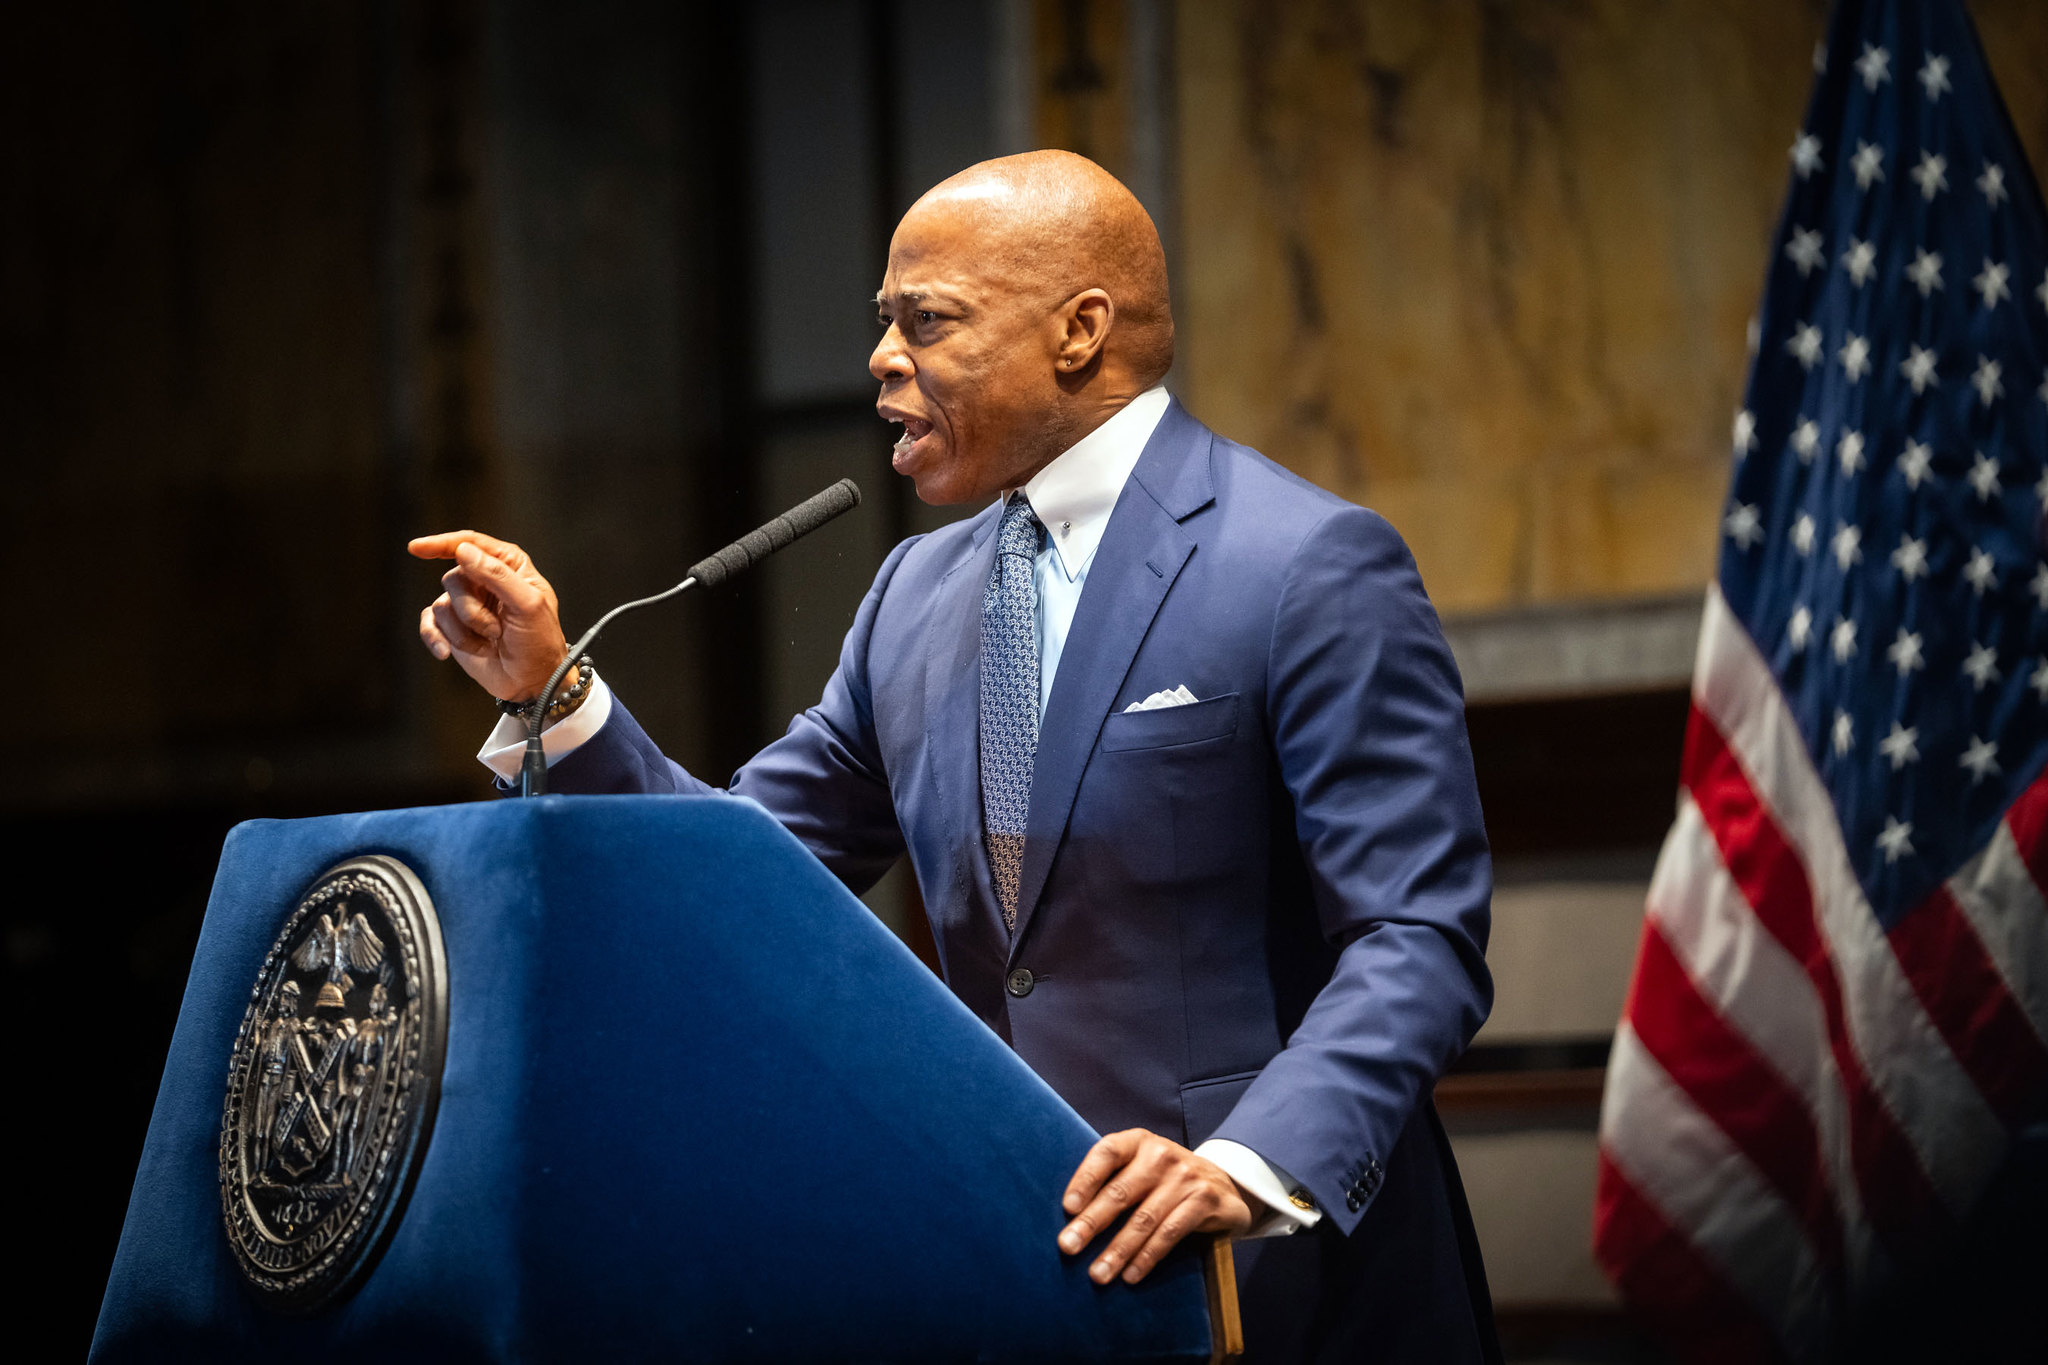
{"points": [[1073, 497]]}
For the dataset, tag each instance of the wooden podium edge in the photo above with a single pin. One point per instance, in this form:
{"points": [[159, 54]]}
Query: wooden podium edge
{"points": [[1219, 1278]]}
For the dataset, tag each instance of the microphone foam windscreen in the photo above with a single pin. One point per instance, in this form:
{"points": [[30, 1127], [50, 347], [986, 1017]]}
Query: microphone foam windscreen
{"points": [[756, 545]]}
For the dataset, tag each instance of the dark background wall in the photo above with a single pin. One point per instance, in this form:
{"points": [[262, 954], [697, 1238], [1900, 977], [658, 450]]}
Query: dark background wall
{"points": [[284, 284]]}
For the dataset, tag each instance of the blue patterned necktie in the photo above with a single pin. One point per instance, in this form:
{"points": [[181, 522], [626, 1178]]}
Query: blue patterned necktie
{"points": [[1009, 699]]}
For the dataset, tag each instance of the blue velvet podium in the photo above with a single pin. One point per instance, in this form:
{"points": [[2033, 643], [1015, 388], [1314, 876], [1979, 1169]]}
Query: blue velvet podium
{"points": [[697, 1104]]}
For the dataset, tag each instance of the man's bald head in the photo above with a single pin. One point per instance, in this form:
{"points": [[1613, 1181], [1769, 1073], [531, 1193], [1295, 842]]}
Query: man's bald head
{"points": [[1055, 224], [1023, 306]]}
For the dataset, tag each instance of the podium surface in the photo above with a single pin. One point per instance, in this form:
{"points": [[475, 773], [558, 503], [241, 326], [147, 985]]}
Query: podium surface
{"points": [[697, 1104]]}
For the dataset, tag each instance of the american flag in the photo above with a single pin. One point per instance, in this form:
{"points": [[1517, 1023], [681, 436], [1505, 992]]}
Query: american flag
{"points": [[1840, 1000]]}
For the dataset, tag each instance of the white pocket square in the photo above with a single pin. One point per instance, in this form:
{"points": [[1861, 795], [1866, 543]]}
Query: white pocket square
{"points": [[1179, 696]]}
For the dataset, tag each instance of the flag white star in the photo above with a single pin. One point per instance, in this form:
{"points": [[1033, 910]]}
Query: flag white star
{"points": [[1800, 628], [1981, 573], [1806, 157], [1905, 652], [1842, 640], [1742, 525], [1806, 440], [1987, 380], [1868, 163], [1992, 184], [1802, 534], [1981, 758], [1925, 272], [1916, 463], [1855, 357], [1874, 66], [1845, 732], [1983, 477], [1900, 746], [1804, 345], [1910, 559], [1847, 544], [2039, 682], [1897, 840], [1804, 250], [1860, 260], [1918, 368], [1931, 175], [1991, 282], [1934, 76], [1982, 667], [1745, 433], [1849, 450], [2039, 587]]}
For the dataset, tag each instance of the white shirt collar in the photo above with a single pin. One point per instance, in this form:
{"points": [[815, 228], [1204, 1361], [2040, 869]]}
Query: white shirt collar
{"points": [[1074, 495]]}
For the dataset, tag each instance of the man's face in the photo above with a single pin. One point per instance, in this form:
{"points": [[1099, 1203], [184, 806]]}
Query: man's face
{"points": [[966, 361]]}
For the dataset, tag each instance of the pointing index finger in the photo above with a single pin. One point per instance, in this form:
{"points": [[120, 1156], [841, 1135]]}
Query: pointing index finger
{"points": [[442, 545]]}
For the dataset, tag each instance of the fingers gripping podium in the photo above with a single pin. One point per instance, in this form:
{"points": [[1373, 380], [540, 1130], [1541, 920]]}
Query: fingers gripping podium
{"points": [[697, 1104]]}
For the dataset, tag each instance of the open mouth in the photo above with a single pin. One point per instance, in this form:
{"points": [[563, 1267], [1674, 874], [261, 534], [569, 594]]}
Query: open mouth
{"points": [[904, 454]]}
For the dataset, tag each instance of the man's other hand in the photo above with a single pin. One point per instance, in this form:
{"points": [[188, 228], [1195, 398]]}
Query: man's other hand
{"points": [[1171, 1192], [496, 616]]}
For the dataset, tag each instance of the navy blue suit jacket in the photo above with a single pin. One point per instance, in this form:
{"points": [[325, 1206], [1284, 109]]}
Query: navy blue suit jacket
{"points": [[1259, 917]]}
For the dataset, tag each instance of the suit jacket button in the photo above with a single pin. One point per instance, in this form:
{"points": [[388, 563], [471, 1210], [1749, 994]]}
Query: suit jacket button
{"points": [[1351, 1202], [1021, 982]]}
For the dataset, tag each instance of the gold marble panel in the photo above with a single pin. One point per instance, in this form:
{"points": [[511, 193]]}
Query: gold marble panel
{"points": [[1488, 265], [1079, 49]]}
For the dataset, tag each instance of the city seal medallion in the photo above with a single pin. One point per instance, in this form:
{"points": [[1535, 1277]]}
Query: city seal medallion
{"points": [[333, 1084]]}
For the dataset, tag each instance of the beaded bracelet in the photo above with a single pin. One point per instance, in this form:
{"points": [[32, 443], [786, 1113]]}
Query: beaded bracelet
{"points": [[565, 701]]}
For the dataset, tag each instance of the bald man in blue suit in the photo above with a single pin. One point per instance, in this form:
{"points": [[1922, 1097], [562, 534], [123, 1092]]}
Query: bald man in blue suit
{"points": [[1174, 745]]}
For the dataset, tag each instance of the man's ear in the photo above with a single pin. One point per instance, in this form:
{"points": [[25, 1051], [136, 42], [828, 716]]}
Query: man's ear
{"points": [[1088, 317]]}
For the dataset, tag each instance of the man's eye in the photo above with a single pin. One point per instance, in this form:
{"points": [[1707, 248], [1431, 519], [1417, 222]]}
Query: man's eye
{"points": [[925, 317]]}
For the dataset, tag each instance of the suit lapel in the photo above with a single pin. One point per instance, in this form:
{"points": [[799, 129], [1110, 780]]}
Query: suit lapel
{"points": [[1143, 550], [952, 706]]}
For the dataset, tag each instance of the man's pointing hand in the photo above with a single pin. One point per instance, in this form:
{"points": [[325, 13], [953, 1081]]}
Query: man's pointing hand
{"points": [[1171, 1192], [497, 616]]}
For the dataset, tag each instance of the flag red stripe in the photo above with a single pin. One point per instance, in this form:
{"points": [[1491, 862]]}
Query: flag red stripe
{"points": [[1714, 1064], [1966, 997], [1903, 1208], [2028, 820], [1665, 1280]]}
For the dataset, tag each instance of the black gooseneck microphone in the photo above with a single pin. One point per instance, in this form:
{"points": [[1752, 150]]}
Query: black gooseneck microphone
{"points": [[743, 554]]}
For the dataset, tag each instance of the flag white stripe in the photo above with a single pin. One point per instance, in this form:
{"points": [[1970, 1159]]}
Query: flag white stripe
{"points": [[1702, 1183], [1765, 995], [2003, 904], [1959, 1138]]}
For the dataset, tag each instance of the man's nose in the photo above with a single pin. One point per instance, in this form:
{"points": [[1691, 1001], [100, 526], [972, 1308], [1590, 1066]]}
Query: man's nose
{"points": [[889, 360]]}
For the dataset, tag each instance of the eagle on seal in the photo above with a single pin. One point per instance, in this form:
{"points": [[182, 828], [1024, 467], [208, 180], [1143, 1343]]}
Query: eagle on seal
{"points": [[353, 943]]}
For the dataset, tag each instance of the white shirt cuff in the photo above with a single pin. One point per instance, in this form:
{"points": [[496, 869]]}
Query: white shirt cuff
{"points": [[505, 748], [1265, 1182]]}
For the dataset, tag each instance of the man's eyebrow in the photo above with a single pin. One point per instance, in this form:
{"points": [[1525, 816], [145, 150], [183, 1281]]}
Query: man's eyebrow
{"points": [[913, 296]]}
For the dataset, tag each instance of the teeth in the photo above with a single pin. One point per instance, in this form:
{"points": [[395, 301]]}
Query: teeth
{"points": [[913, 431]]}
